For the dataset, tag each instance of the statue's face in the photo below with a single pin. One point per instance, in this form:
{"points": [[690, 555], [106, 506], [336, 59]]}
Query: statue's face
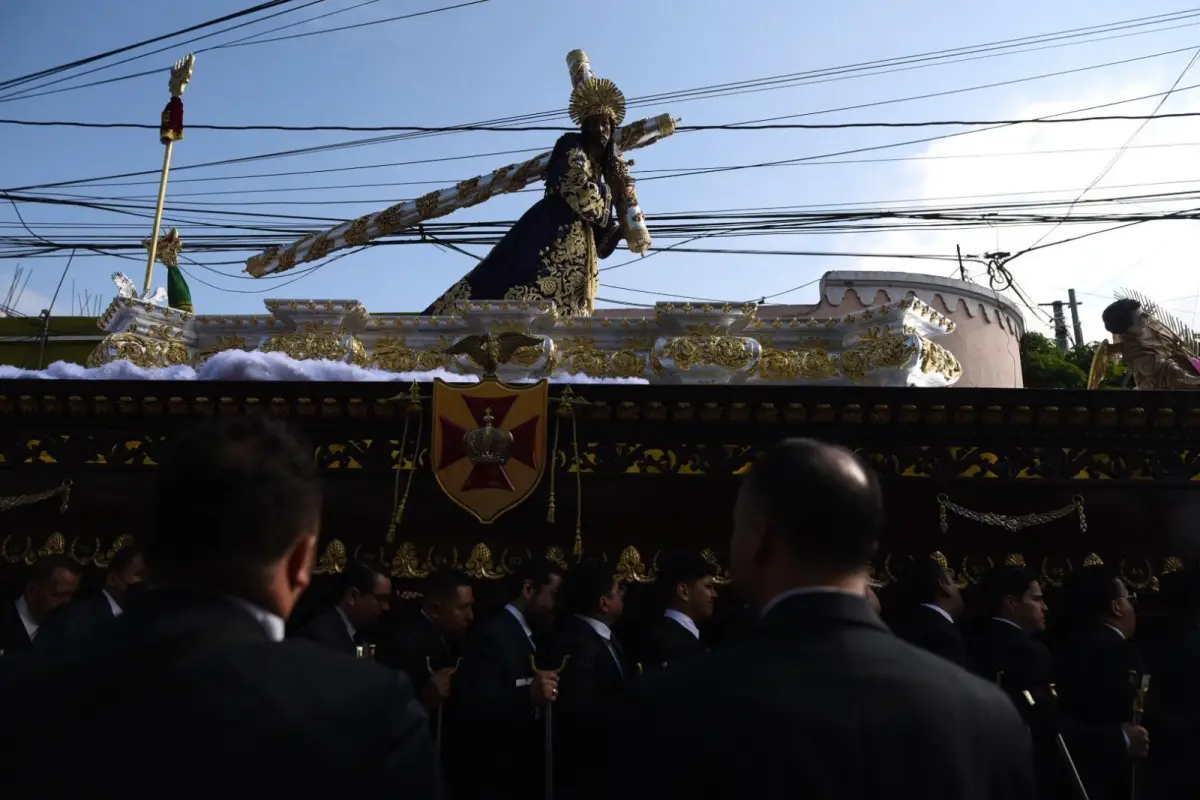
{"points": [[601, 128], [1137, 320]]}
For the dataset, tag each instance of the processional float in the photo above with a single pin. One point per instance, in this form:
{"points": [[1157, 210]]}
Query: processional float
{"points": [[473, 191]]}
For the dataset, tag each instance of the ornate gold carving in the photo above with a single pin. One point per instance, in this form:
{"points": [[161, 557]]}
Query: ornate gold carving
{"points": [[407, 564], [631, 568], [722, 576], [359, 232], [787, 365], [938, 360], [393, 355], [392, 218], [118, 544], [333, 559], [464, 189], [555, 555], [727, 352], [16, 547], [480, 565], [223, 343], [878, 349], [318, 341], [321, 247], [141, 351], [580, 356], [1092, 560], [427, 205], [167, 248]]}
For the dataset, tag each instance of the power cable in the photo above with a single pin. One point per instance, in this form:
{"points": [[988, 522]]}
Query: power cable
{"points": [[11, 82]]}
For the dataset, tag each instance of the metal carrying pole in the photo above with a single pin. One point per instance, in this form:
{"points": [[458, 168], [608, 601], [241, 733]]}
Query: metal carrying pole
{"points": [[1064, 754], [548, 716], [437, 724]]}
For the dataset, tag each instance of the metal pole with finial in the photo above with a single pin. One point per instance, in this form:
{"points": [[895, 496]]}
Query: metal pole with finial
{"points": [[170, 131]]}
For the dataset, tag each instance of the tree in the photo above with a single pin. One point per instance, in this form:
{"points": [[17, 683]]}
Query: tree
{"points": [[1044, 366]]}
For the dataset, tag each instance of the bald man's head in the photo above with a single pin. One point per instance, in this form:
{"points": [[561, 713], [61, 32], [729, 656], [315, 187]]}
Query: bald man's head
{"points": [[820, 500]]}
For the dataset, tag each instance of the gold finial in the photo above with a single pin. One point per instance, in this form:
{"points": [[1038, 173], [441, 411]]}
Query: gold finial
{"points": [[181, 73], [167, 248], [1092, 560]]}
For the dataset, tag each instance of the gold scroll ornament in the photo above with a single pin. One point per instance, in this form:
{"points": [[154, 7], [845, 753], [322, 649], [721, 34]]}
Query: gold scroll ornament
{"points": [[1011, 524]]}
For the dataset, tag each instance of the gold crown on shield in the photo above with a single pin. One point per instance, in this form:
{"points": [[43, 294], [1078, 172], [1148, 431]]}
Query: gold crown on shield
{"points": [[488, 445], [597, 97]]}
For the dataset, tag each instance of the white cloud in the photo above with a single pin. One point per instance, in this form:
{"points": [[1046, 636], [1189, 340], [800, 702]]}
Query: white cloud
{"points": [[1155, 258]]}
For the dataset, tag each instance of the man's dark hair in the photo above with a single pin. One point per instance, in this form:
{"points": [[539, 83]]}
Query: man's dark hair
{"points": [[445, 583], [584, 585], [361, 575], [921, 583], [1118, 316], [826, 498], [682, 567], [1005, 581], [43, 569], [1089, 592], [123, 559], [233, 495], [538, 571]]}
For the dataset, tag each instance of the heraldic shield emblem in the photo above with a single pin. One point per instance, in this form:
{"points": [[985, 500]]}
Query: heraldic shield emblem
{"points": [[489, 443]]}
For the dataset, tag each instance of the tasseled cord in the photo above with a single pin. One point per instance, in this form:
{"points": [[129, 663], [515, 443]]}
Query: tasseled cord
{"points": [[565, 409], [400, 501]]}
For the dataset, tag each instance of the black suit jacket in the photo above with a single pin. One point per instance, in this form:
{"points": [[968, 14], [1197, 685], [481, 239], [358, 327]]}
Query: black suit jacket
{"points": [[497, 750], [823, 701], [588, 691], [1174, 712], [1096, 695], [997, 647], [78, 618], [414, 648], [14, 640], [667, 642], [195, 691], [927, 629], [328, 629]]}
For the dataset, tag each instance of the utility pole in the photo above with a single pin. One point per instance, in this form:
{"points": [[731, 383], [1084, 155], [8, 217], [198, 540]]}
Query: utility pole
{"points": [[1075, 323], [1060, 325]]}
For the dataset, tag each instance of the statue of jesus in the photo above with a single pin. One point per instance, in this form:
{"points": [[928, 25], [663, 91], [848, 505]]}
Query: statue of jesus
{"points": [[554, 249]]}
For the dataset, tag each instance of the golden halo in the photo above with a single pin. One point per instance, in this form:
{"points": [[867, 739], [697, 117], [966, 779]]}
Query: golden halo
{"points": [[597, 97]]}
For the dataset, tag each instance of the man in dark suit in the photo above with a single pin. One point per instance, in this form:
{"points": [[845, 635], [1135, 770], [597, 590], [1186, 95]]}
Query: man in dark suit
{"points": [[197, 682], [928, 611], [53, 582], [498, 694], [1006, 648], [343, 627], [1174, 708], [822, 700], [93, 611], [426, 648], [593, 680], [1093, 668], [687, 580]]}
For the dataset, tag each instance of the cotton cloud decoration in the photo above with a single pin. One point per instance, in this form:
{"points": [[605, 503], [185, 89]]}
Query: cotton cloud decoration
{"points": [[238, 365]]}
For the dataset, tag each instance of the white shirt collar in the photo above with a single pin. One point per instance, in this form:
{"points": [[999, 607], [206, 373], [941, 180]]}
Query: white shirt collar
{"points": [[684, 620], [519, 617], [31, 627], [1113, 628], [351, 631], [779, 598], [942, 611], [112, 603], [598, 626], [1007, 621]]}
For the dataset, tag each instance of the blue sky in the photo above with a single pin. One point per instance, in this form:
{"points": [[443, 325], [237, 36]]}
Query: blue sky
{"points": [[506, 57]]}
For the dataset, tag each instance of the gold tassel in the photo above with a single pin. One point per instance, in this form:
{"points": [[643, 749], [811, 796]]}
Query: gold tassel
{"points": [[577, 550], [398, 502], [553, 465]]}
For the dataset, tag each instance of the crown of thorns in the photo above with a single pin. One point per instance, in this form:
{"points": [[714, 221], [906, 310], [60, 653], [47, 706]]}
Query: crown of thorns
{"points": [[597, 97]]}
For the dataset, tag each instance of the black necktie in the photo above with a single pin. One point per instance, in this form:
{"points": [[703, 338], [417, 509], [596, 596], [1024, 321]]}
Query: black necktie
{"points": [[614, 647]]}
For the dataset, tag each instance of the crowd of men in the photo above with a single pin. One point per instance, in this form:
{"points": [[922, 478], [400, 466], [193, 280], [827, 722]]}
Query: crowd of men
{"points": [[209, 677]]}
